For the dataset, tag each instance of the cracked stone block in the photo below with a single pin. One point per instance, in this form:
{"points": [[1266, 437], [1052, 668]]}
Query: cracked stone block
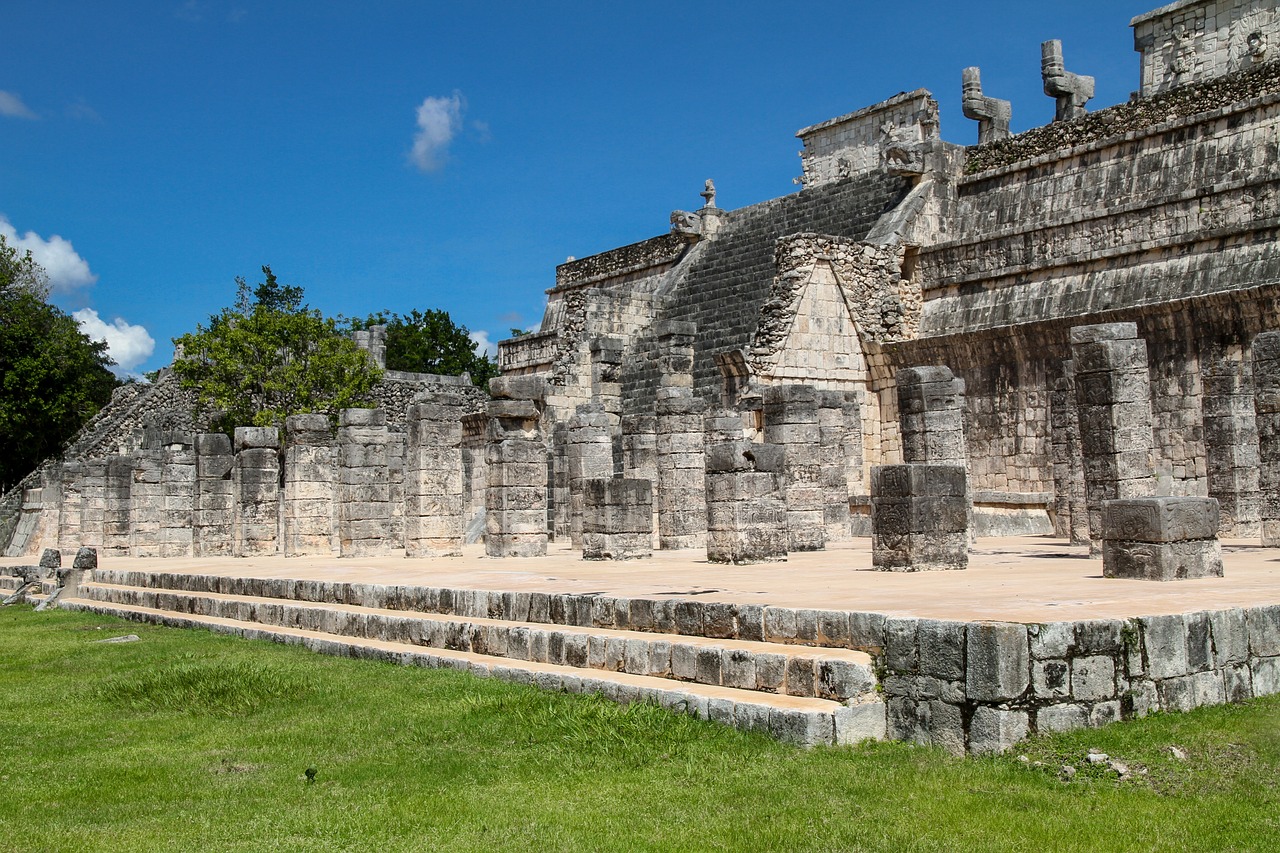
{"points": [[998, 664]]}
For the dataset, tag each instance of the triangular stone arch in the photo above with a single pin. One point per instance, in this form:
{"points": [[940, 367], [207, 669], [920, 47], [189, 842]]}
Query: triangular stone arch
{"points": [[823, 344]]}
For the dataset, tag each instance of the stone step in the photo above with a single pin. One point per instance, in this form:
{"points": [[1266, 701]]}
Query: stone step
{"points": [[802, 720], [660, 615], [840, 675]]}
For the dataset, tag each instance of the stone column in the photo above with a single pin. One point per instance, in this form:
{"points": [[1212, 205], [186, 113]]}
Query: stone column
{"points": [[919, 517], [791, 420], [257, 491], [433, 484], [1266, 385], [475, 477], [178, 484], [1230, 437], [364, 483], [640, 453], [680, 445], [146, 499], [747, 514], [516, 464], [310, 485], [1161, 539], [116, 521], [834, 412], [397, 449], [617, 522], [1113, 395], [1071, 518], [214, 516], [590, 457], [71, 474], [931, 416], [93, 503], [606, 364]]}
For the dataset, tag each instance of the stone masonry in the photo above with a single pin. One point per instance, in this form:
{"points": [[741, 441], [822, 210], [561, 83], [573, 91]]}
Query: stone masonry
{"points": [[617, 522], [1161, 539], [310, 485], [919, 517], [590, 457], [1266, 378], [212, 520], [434, 511], [364, 483], [1113, 395], [680, 445], [747, 513], [516, 465], [257, 491], [791, 421]]}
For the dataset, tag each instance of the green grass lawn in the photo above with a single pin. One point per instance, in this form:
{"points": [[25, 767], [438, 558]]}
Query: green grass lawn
{"points": [[192, 741]]}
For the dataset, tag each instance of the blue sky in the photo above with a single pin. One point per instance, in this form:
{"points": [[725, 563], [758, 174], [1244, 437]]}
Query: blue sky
{"points": [[447, 155]]}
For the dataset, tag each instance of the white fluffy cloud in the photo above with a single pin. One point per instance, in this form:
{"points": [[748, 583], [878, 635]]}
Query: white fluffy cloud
{"points": [[67, 270], [439, 120], [127, 344], [483, 345], [12, 106]]}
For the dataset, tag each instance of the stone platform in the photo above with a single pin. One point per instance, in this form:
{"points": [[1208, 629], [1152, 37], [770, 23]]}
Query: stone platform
{"points": [[1030, 638]]}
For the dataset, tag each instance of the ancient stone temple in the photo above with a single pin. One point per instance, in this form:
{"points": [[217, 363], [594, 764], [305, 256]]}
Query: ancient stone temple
{"points": [[1070, 332], [900, 249]]}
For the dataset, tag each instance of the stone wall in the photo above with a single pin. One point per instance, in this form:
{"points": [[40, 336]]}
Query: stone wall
{"points": [[1191, 41]]}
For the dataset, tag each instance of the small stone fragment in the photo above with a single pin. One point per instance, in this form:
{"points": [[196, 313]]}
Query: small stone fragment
{"points": [[1178, 753]]}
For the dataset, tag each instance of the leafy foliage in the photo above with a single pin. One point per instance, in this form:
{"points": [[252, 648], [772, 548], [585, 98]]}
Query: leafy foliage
{"points": [[430, 342], [271, 356], [52, 377]]}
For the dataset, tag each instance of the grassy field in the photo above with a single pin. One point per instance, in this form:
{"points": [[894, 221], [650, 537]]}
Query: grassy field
{"points": [[191, 741]]}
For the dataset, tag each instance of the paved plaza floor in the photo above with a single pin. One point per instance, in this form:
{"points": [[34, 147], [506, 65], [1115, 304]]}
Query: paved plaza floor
{"points": [[1016, 579]]}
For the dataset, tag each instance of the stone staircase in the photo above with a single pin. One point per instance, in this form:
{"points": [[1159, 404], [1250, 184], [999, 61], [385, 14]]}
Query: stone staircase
{"points": [[730, 663]]}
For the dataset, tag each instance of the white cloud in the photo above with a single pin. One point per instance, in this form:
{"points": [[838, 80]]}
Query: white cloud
{"points": [[67, 270], [439, 120], [483, 345], [12, 106], [127, 344]]}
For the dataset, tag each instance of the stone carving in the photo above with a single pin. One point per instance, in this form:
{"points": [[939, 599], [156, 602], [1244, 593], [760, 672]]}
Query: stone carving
{"points": [[991, 114], [747, 515], [1168, 538], [919, 517], [709, 193], [1071, 91]]}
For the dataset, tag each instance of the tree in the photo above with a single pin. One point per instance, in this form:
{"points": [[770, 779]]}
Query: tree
{"points": [[52, 377], [271, 356], [430, 342]]}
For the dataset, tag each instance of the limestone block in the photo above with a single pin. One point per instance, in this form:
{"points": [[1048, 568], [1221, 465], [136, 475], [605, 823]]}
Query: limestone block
{"points": [[1165, 519], [1051, 679], [1197, 558], [856, 723], [996, 730], [1093, 678], [1065, 717], [1165, 641], [998, 661]]}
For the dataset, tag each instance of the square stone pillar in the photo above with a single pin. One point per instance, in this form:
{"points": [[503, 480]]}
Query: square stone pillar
{"points": [[310, 485], [680, 450], [214, 518], [590, 457], [71, 474], [640, 453], [116, 521], [747, 514], [93, 503], [791, 420], [475, 477], [257, 491], [1161, 539], [178, 484], [617, 520], [1113, 398], [1230, 436], [1071, 518], [919, 517], [364, 483], [516, 466], [835, 411], [433, 487], [1266, 401], [931, 415], [146, 499]]}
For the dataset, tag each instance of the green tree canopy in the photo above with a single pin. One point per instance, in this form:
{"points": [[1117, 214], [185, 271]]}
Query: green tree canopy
{"points": [[271, 356], [430, 342], [52, 377]]}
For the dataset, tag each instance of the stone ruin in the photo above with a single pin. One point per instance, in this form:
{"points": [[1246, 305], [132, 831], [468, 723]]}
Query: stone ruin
{"points": [[1063, 331]]}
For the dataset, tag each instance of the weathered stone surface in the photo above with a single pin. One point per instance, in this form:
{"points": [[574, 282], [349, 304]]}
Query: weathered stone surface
{"points": [[998, 661]]}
